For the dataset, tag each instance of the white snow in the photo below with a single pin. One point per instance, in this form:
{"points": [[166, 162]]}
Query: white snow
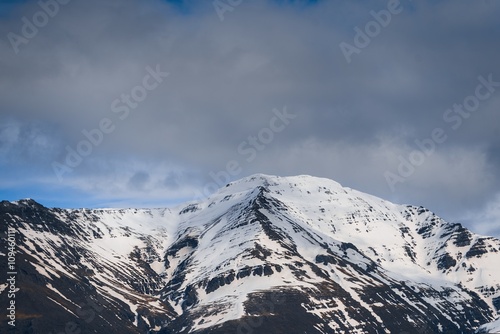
{"points": [[492, 327], [313, 213]]}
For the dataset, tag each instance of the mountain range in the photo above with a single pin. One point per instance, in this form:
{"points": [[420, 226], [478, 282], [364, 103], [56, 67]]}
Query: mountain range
{"points": [[264, 254]]}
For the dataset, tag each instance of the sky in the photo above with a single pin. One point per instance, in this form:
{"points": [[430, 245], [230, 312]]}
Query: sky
{"points": [[148, 103]]}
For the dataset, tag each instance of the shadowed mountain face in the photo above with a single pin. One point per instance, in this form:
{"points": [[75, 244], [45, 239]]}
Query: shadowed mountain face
{"points": [[263, 255]]}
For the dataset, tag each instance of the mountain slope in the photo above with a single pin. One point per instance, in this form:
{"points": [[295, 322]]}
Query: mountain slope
{"points": [[264, 254]]}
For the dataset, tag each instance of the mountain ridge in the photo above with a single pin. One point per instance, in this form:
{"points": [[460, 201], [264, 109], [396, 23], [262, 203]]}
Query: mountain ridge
{"points": [[263, 252]]}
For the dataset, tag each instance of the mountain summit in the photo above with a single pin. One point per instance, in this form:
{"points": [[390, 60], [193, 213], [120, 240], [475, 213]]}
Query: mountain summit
{"points": [[264, 254]]}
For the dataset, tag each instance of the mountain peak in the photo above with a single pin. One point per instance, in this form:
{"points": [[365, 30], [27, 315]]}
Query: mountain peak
{"points": [[292, 254], [266, 180], [280, 184], [25, 202]]}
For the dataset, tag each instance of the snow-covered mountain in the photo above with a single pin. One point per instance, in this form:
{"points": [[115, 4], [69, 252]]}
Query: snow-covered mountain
{"points": [[264, 254]]}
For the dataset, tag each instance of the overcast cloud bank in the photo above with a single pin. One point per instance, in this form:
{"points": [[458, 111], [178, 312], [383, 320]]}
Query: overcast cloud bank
{"points": [[354, 120]]}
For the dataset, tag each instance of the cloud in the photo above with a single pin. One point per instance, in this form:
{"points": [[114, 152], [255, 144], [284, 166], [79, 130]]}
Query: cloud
{"points": [[226, 77], [139, 180], [25, 142], [485, 220]]}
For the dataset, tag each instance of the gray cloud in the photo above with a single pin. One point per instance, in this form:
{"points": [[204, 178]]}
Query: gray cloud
{"points": [[138, 180], [353, 120]]}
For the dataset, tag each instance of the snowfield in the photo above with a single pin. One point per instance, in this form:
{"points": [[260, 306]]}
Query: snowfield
{"points": [[341, 261]]}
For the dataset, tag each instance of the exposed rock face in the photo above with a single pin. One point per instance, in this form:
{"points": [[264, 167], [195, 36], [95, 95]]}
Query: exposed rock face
{"points": [[263, 255]]}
